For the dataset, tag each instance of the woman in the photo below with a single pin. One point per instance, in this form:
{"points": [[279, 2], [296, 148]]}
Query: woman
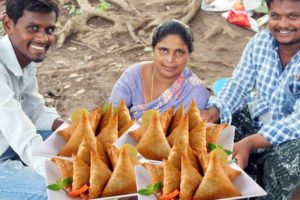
{"points": [[165, 81]]}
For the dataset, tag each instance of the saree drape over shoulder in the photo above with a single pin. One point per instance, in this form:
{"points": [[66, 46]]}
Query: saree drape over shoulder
{"points": [[186, 88]]}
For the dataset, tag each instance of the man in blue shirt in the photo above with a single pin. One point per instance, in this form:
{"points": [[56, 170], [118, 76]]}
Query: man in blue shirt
{"points": [[265, 91], [29, 27]]}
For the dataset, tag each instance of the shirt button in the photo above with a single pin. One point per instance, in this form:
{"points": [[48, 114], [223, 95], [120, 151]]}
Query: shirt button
{"points": [[297, 77]]}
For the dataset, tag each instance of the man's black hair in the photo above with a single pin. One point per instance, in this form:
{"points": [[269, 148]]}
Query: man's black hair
{"points": [[270, 1], [173, 27], [16, 8]]}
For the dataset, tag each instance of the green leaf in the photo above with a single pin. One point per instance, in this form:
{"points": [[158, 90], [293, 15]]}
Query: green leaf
{"points": [[228, 152], [148, 49], [54, 187], [60, 184], [211, 146], [145, 192], [103, 5], [73, 11], [66, 182], [150, 188], [157, 186]]}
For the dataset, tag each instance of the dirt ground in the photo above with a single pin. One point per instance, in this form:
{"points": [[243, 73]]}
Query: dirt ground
{"points": [[80, 75]]}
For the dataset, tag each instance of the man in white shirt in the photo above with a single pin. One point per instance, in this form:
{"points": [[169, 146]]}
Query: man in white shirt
{"points": [[29, 27]]}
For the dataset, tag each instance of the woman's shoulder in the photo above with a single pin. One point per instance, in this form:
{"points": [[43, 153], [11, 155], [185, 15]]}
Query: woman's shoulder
{"points": [[132, 72], [192, 77]]}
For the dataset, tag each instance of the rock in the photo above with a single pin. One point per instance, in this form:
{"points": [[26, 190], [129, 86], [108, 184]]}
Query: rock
{"points": [[87, 58], [75, 75], [72, 48]]}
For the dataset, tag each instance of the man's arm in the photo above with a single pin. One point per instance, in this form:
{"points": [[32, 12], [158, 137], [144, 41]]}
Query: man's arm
{"points": [[233, 95], [243, 148], [16, 129], [33, 105]]}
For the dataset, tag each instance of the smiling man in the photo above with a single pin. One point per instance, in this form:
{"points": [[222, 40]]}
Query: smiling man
{"points": [[29, 27], [266, 82]]}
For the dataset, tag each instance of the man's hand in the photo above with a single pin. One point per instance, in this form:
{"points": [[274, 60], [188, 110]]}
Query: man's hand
{"points": [[211, 114], [243, 148], [241, 152], [57, 122]]}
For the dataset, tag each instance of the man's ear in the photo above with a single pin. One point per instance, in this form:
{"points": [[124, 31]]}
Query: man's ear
{"points": [[8, 24]]}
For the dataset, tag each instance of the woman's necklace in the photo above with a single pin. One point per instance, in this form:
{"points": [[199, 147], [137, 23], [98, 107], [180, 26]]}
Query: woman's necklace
{"points": [[152, 84]]}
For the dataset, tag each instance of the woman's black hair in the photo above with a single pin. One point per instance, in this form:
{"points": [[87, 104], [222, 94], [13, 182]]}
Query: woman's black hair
{"points": [[16, 8], [173, 27]]}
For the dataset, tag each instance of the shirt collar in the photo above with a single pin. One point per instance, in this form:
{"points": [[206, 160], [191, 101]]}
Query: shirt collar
{"points": [[273, 40], [9, 57]]}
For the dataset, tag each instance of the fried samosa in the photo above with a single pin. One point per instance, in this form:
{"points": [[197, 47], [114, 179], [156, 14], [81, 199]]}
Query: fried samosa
{"points": [[215, 184], [88, 143], [177, 118], [95, 118], [81, 173], [67, 132], [181, 132], [123, 115], [171, 178], [139, 132], [71, 147], [190, 178], [194, 115], [154, 145], [65, 167], [126, 127], [213, 133], [102, 153], [197, 137], [156, 172], [99, 176], [122, 180], [110, 133], [177, 150], [108, 114]]}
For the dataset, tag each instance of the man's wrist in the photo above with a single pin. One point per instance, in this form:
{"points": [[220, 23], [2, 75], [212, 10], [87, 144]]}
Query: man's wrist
{"points": [[257, 141], [56, 123]]}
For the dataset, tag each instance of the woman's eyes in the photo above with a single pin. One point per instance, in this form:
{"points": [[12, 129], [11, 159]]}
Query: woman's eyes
{"points": [[163, 51], [179, 53], [294, 16]]}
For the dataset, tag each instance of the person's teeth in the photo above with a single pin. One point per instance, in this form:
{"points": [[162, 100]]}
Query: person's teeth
{"points": [[37, 47], [284, 32]]}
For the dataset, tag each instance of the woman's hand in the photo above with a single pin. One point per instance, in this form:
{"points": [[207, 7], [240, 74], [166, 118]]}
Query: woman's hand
{"points": [[211, 114]]}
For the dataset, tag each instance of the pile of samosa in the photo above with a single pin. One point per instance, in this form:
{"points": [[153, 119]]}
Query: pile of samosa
{"points": [[95, 161], [181, 142], [106, 127]]}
